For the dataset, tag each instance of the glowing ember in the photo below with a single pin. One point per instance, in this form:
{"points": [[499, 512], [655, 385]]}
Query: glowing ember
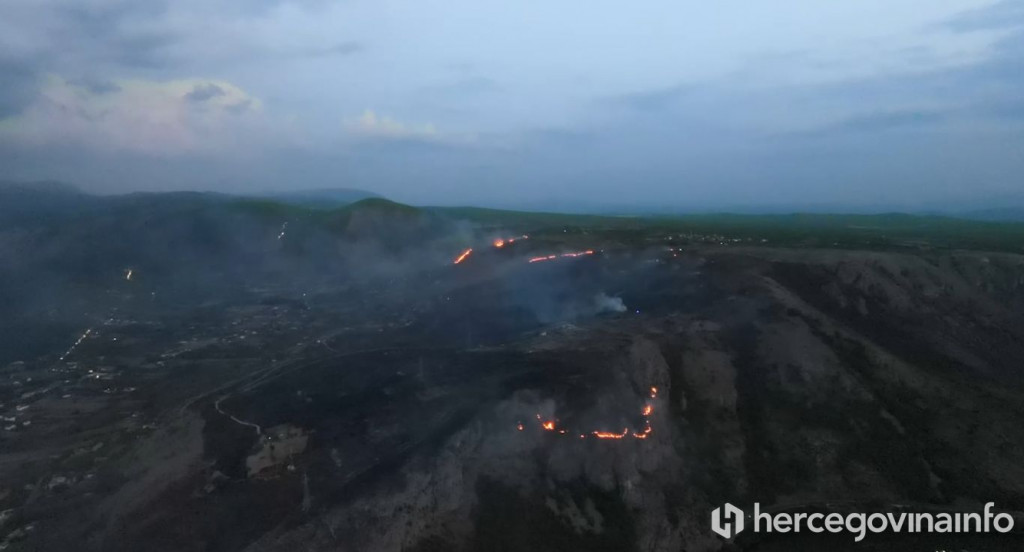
{"points": [[499, 243], [654, 392], [519, 426], [463, 256], [550, 426], [648, 409]]}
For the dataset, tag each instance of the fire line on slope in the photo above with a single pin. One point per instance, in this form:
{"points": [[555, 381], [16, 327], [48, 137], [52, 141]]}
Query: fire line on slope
{"points": [[648, 409]]}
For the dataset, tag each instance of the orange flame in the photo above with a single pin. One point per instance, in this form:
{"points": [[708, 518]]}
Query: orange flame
{"points": [[647, 431], [463, 256], [501, 242], [648, 409], [570, 254], [609, 435]]}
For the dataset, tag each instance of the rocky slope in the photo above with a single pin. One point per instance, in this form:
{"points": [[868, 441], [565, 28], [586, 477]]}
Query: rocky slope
{"points": [[805, 378]]}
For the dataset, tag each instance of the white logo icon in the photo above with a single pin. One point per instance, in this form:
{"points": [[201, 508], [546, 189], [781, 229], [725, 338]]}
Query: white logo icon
{"points": [[728, 525]]}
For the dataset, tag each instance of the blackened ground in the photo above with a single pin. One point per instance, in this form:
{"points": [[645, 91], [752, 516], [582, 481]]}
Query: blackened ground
{"points": [[786, 377]]}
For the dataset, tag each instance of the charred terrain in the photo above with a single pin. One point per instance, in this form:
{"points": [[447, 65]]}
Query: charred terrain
{"points": [[198, 372]]}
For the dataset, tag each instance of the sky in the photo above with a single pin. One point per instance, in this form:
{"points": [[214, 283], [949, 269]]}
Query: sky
{"points": [[581, 104]]}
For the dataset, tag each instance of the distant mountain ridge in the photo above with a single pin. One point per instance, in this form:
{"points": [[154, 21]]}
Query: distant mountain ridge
{"points": [[19, 199], [38, 187], [322, 198], [1005, 214]]}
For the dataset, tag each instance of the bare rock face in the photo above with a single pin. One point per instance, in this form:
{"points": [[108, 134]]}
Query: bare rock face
{"points": [[429, 500], [647, 367], [710, 398]]}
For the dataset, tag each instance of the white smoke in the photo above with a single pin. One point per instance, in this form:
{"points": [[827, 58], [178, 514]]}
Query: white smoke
{"points": [[604, 303]]}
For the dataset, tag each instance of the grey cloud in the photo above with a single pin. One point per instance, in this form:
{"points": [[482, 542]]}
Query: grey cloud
{"points": [[115, 38], [240, 107], [154, 38], [655, 100], [555, 140], [106, 16], [202, 92], [465, 86], [115, 33], [1001, 15], [143, 51], [17, 87], [990, 88], [414, 147], [1006, 65], [341, 49], [260, 7], [888, 120], [89, 35], [461, 98], [1004, 109], [696, 140], [96, 86]]}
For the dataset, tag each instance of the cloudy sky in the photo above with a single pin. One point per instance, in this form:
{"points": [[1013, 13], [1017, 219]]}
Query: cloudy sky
{"points": [[593, 103]]}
